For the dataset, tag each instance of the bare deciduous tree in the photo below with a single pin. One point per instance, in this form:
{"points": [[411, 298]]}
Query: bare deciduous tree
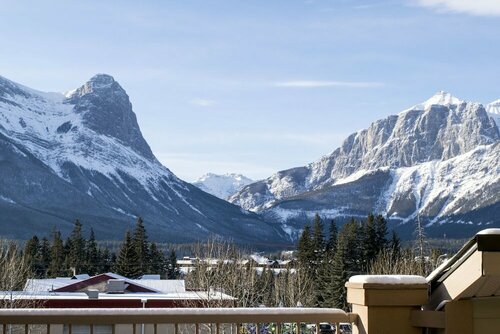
{"points": [[222, 267], [14, 272]]}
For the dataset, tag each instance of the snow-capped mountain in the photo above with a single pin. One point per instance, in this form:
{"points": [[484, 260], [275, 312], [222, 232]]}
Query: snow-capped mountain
{"points": [[493, 110], [82, 155], [222, 186], [439, 160]]}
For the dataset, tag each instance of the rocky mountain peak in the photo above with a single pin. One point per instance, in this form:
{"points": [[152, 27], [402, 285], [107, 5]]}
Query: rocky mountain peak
{"points": [[106, 109], [102, 79], [98, 84]]}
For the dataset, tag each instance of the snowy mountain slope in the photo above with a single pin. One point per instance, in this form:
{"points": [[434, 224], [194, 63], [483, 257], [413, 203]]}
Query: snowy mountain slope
{"points": [[82, 155], [432, 159], [222, 186]]}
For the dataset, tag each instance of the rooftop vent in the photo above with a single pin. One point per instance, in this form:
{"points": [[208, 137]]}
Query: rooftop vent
{"points": [[92, 293], [151, 276], [116, 286]]}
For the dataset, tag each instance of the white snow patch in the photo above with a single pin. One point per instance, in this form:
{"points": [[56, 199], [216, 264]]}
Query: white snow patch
{"points": [[489, 231], [288, 230], [440, 98], [201, 227], [388, 279], [123, 212], [8, 200], [353, 177]]}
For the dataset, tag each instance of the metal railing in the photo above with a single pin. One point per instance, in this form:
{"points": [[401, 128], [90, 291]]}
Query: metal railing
{"points": [[172, 321]]}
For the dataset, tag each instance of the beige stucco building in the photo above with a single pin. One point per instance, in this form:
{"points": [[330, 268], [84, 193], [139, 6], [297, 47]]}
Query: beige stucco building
{"points": [[461, 296]]}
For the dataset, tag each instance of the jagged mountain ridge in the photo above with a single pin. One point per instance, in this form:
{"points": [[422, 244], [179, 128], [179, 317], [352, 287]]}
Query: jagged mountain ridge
{"points": [[222, 186], [398, 166], [82, 155]]}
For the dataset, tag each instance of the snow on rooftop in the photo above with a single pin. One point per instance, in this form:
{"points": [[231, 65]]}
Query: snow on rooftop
{"points": [[183, 295], [163, 286], [48, 284], [388, 279], [489, 231]]}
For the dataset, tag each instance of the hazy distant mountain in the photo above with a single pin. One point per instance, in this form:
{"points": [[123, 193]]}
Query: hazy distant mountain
{"points": [[222, 186], [82, 155], [493, 110], [439, 160]]}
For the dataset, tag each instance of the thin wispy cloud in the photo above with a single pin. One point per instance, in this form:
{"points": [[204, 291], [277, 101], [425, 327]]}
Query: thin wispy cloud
{"points": [[203, 102], [476, 7], [323, 84], [372, 5]]}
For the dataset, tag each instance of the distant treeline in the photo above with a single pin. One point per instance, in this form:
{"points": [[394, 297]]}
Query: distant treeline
{"points": [[78, 255]]}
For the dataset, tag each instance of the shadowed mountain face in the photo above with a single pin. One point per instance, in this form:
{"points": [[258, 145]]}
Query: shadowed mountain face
{"points": [[82, 155], [438, 160]]}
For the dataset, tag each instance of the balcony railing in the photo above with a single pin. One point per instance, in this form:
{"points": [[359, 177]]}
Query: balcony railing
{"points": [[171, 321]]}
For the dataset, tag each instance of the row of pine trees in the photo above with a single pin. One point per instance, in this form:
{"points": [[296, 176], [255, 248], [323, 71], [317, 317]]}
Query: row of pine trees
{"points": [[330, 260], [79, 255]]}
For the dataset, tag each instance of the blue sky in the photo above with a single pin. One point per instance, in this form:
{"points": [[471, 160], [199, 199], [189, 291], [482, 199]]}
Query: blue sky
{"points": [[256, 86]]}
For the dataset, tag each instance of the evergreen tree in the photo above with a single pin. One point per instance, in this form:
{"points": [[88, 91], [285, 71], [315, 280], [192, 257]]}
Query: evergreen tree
{"points": [[173, 271], [381, 232], [140, 241], [318, 239], [57, 256], [32, 256], [331, 245], [92, 255], [346, 262], [45, 255], [67, 249], [395, 246], [305, 250], [158, 265], [128, 263], [336, 295], [370, 241], [325, 278], [107, 261], [76, 254]]}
